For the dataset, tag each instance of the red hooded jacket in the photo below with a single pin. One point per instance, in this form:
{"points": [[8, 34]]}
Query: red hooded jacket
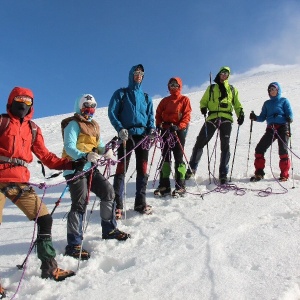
{"points": [[175, 109], [16, 142]]}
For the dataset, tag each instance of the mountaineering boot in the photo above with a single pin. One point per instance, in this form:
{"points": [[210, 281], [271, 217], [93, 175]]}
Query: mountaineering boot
{"points": [[144, 210], [50, 270], [74, 251], [223, 179], [2, 292], [118, 213], [189, 173], [178, 192], [116, 234], [256, 178], [162, 191], [282, 178]]}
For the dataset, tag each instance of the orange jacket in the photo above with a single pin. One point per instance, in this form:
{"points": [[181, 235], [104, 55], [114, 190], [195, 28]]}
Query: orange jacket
{"points": [[16, 142], [174, 109]]}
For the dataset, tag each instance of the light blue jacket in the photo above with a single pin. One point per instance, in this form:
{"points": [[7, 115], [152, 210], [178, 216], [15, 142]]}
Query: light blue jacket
{"points": [[131, 111], [276, 109], [71, 133]]}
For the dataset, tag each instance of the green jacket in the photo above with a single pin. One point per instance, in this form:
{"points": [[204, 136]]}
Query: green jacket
{"points": [[225, 107]]}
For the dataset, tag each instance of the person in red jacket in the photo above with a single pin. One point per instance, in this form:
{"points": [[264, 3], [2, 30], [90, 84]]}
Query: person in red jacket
{"points": [[173, 114], [16, 148]]}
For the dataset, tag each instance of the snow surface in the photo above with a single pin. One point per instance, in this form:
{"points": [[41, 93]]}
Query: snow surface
{"points": [[237, 243]]}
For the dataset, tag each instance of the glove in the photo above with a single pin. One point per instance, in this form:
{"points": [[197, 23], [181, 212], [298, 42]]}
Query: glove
{"points": [[173, 128], [253, 116], [93, 157], [289, 119], [109, 154], [241, 118], [152, 134], [204, 111], [78, 164], [123, 134]]}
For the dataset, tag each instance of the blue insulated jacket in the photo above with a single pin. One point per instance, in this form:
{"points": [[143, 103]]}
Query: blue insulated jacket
{"points": [[276, 109], [131, 110]]}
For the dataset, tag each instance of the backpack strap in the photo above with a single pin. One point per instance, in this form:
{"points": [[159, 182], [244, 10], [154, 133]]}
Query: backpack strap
{"points": [[4, 121], [34, 129]]}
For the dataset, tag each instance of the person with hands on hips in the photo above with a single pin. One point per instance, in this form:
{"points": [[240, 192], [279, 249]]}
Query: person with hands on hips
{"points": [[278, 113], [82, 140], [173, 113], [130, 112]]}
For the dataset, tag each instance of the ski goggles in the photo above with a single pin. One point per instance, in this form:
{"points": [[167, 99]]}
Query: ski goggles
{"points": [[174, 85], [89, 104], [24, 99], [138, 73]]}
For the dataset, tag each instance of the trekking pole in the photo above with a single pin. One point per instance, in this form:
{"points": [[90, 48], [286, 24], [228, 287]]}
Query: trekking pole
{"points": [[90, 214], [251, 125], [237, 135], [20, 267], [207, 150], [84, 221], [131, 176], [176, 135], [292, 166], [124, 183]]}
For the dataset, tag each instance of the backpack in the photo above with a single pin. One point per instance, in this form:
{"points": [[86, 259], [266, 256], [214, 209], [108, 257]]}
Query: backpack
{"points": [[232, 91], [123, 97], [5, 120]]}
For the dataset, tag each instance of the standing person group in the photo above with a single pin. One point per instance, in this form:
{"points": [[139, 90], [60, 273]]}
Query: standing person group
{"points": [[131, 114], [173, 115]]}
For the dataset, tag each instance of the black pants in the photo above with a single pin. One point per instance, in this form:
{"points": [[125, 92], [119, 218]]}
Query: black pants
{"points": [[141, 163], [206, 133], [269, 137], [79, 189]]}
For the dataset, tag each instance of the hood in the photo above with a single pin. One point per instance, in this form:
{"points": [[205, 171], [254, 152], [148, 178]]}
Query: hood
{"points": [[276, 84], [176, 92], [216, 80], [20, 91], [132, 84]]}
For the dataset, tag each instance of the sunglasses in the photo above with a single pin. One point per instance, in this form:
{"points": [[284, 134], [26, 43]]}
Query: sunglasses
{"points": [[224, 73], [24, 99], [174, 85], [138, 73], [273, 88], [89, 105]]}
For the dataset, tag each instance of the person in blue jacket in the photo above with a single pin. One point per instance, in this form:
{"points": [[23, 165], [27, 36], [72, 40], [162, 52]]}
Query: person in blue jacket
{"points": [[131, 113], [278, 113], [82, 140]]}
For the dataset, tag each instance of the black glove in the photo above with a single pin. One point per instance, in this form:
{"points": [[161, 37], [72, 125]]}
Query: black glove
{"points": [[253, 116], [289, 119], [204, 111], [241, 118], [173, 128], [78, 164]]}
